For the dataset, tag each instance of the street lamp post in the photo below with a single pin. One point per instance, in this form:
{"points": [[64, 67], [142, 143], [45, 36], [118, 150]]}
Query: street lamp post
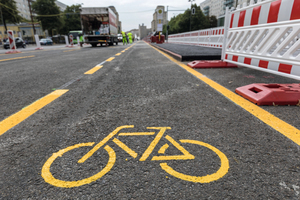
{"points": [[191, 13]]}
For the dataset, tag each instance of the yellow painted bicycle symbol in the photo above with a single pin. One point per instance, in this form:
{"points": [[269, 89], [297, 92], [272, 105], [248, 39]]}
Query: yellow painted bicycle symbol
{"points": [[49, 178]]}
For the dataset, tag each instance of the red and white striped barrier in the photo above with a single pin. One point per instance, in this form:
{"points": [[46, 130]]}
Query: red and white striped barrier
{"points": [[67, 41], [265, 36], [71, 40], [12, 44], [38, 44], [78, 41], [207, 37]]}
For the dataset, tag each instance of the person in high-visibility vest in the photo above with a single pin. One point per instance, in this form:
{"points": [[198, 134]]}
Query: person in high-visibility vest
{"points": [[130, 37], [81, 39], [124, 37]]}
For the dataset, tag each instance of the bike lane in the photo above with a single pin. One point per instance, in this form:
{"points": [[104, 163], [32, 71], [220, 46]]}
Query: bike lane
{"points": [[144, 89]]}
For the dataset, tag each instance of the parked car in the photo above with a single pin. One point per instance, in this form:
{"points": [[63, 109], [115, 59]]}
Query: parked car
{"points": [[46, 42], [19, 43], [120, 38]]}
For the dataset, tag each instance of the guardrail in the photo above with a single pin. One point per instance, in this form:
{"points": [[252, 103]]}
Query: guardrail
{"points": [[207, 37], [265, 36]]}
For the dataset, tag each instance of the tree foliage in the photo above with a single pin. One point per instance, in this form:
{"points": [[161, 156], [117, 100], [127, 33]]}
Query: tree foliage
{"points": [[10, 12], [48, 14], [186, 22], [71, 19]]}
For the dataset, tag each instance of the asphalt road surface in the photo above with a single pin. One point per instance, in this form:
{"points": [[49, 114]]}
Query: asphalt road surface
{"points": [[129, 122]]}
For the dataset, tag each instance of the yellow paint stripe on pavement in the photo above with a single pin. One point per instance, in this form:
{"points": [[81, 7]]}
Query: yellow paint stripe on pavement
{"points": [[281, 126], [15, 58], [110, 59], [118, 54], [94, 70], [23, 114], [72, 50]]}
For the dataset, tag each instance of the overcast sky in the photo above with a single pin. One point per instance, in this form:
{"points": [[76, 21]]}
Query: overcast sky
{"points": [[134, 12]]}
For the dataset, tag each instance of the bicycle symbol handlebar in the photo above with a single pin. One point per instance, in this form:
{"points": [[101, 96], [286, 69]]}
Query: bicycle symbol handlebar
{"points": [[49, 178]]}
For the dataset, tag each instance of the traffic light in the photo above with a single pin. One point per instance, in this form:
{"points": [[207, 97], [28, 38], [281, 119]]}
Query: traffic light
{"points": [[193, 11]]}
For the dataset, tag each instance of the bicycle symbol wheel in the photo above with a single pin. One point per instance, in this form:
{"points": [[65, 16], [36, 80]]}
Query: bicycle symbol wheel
{"points": [[48, 177], [201, 179]]}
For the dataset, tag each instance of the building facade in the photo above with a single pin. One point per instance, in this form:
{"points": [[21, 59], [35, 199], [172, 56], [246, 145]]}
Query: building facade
{"points": [[23, 7], [143, 31], [218, 8], [155, 19]]}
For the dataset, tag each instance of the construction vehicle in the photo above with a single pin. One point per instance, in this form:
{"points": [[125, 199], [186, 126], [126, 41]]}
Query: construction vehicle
{"points": [[99, 26]]}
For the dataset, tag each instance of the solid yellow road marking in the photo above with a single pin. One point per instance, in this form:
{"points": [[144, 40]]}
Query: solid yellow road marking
{"points": [[125, 148], [23, 114], [71, 50], [16, 58], [150, 148], [201, 179], [138, 133], [48, 177], [281, 126], [110, 59], [118, 54], [91, 71]]}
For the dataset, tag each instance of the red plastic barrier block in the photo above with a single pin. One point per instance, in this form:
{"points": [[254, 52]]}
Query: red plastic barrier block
{"points": [[210, 64], [271, 94]]}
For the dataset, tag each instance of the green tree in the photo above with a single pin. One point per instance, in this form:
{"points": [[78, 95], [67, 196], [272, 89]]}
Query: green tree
{"points": [[213, 21], [182, 22], [71, 19], [48, 14], [9, 12]]}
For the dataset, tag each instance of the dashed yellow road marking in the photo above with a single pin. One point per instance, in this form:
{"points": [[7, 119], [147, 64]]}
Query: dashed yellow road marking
{"points": [[110, 59], [118, 54], [91, 71], [281, 126], [23, 114], [17, 58], [71, 50]]}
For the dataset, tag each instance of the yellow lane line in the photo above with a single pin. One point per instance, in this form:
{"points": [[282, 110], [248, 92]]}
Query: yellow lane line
{"points": [[123, 51], [23, 114], [15, 58], [91, 71], [110, 59], [281, 126], [72, 50], [118, 54]]}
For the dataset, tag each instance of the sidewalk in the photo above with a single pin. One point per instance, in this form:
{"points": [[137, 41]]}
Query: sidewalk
{"points": [[189, 52]]}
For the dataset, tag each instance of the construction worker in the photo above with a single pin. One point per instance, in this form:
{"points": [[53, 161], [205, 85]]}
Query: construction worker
{"points": [[124, 37], [130, 37], [81, 39]]}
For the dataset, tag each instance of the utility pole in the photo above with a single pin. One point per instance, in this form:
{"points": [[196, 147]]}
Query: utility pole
{"points": [[1, 15], [167, 24], [29, 5]]}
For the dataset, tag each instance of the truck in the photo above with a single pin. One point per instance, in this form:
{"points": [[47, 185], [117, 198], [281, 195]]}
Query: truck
{"points": [[99, 26]]}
